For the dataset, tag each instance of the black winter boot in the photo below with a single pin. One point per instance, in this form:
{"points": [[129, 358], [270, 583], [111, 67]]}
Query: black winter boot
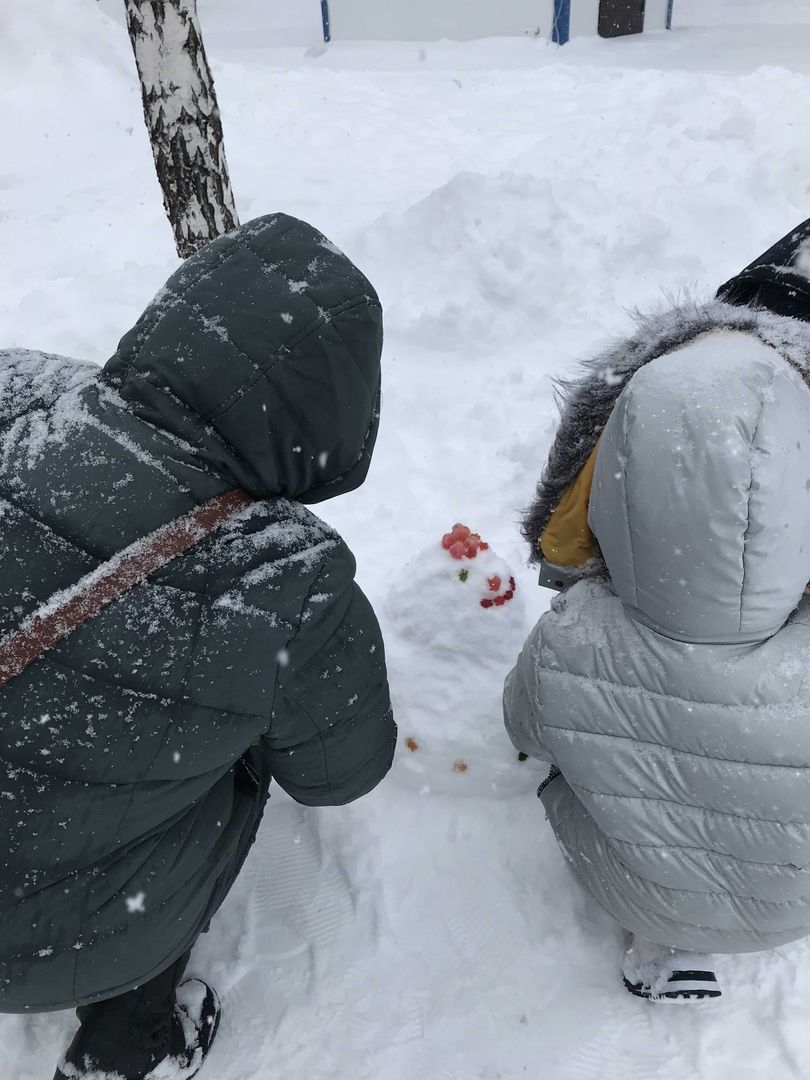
{"points": [[168, 1047]]}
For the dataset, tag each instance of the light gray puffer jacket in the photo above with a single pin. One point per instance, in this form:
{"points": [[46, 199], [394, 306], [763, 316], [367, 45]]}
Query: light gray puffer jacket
{"points": [[675, 696]]}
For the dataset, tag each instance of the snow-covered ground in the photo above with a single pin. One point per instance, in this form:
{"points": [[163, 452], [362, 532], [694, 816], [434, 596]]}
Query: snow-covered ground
{"points": [[510, 200]]}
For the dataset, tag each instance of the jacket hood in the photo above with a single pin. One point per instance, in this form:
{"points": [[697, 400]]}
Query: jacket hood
{"points": [[263, 352], [588, 401], [701, 491], [779, 280]]}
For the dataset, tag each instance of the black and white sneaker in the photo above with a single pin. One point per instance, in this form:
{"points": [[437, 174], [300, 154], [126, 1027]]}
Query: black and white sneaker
{"points": [[193, 1028], [680, 987], [657, 973]]}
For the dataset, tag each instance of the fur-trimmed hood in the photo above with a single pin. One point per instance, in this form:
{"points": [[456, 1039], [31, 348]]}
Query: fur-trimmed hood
{"points": [[589, 400]]}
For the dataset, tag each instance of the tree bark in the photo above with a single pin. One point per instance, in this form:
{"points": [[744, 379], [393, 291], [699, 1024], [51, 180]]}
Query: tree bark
{"points": [[182, 117]]}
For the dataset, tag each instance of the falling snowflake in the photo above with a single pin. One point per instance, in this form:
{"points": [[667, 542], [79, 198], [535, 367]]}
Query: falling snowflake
{"points": [[136, 904]]}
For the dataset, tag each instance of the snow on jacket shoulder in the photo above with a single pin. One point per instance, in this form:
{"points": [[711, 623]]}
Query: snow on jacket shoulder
{"points": [[672, 691], [137, 754]]}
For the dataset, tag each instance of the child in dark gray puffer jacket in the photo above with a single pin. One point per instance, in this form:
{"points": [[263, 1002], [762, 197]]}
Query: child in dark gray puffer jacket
{"points": [[138, 753]]}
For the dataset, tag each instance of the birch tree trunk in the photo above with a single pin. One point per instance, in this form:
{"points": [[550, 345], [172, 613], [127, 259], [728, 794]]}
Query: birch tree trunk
{"points": [[182, 117]]}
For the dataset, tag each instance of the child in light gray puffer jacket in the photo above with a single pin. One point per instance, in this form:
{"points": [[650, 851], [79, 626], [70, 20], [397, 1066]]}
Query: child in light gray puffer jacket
{"points": [[669, 686]]}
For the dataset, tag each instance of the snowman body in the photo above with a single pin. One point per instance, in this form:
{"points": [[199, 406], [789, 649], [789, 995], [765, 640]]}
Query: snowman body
{"points": [[454, 626]]}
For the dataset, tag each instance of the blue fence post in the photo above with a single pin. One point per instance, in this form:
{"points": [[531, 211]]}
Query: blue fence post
{"points": [[561, 30], [327, 29], [669, 14]]}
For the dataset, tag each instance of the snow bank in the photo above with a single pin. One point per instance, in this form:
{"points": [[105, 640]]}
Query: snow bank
{"points": [[36, 34], [70, 111], [492, 247]]}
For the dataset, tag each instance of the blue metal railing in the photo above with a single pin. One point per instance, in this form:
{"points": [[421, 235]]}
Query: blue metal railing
{"points": [[561, 27]]}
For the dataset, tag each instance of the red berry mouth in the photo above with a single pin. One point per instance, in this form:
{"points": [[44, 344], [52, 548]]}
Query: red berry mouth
{"points": [[501, 598]]}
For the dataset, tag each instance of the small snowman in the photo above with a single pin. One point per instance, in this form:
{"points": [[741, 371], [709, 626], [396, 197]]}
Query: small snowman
{"points": [[463, 544], [454, 625]]}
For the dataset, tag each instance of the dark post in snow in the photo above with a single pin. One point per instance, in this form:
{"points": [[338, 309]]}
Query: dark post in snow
{"points": [[182, 117]]}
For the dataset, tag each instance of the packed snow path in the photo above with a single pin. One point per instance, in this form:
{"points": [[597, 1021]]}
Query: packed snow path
{"points": [[510, 201]]}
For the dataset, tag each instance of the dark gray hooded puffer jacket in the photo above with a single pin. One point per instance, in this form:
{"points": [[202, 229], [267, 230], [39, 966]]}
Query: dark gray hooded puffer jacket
{"points": [[671, 686], [137, 754]]}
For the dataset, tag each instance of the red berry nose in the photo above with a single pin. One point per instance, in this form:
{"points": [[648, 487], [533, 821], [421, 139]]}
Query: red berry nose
{"points": [[494, 584], [462, 542]]}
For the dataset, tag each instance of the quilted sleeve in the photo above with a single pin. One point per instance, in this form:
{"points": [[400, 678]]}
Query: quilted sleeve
{"points": [[333, 735], [522, 706]]}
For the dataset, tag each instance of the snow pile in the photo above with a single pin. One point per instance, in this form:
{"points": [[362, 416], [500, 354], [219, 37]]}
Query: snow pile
{"points": [[72, 125], [493, 249], [456, 623], [36, 34]]}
